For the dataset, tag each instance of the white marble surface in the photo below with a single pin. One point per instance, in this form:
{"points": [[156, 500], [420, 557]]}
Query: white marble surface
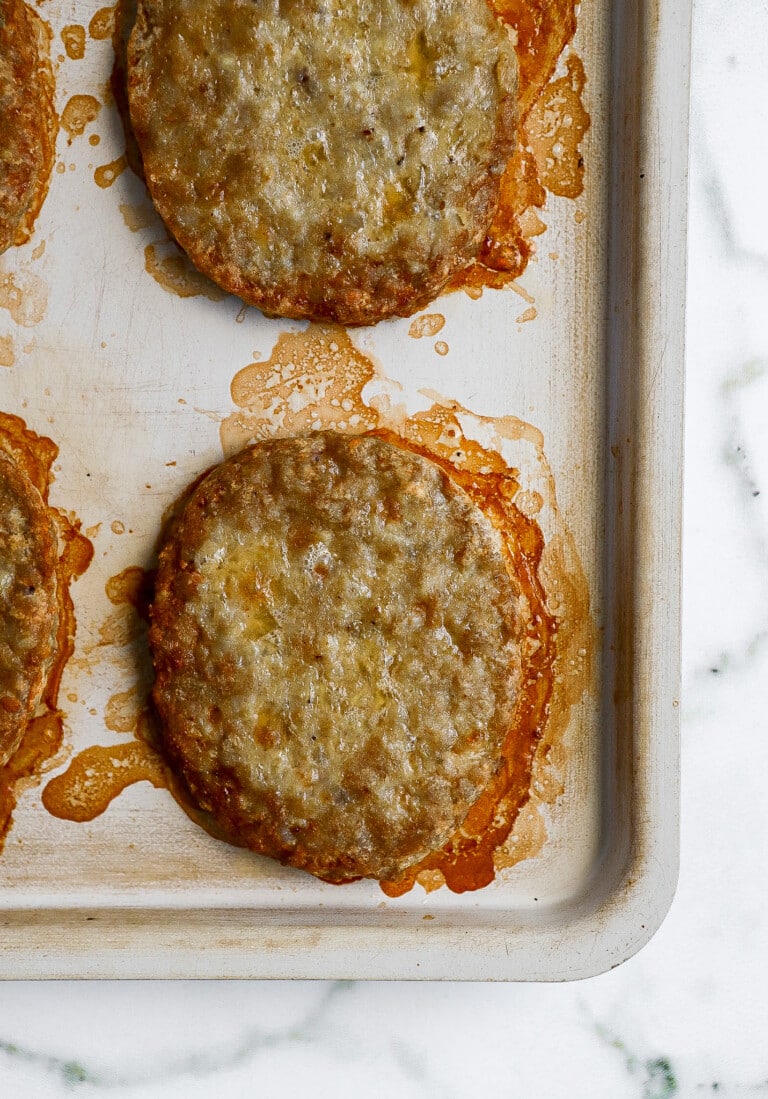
{"points": [[687, 1017]]}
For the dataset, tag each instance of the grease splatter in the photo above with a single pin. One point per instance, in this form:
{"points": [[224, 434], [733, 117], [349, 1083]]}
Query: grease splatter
{"points": [[102, 24], [139, 216], [7, 353], [427, 325], [297, 389], [172, 270], [555, 128], [124, 709], [25, 296], [78, 113], [97, 775], [73, 37], [106, 174], [132, 586]]}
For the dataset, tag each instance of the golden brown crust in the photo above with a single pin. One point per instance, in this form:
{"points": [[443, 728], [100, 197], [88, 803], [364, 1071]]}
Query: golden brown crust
{"points": [[337, 646], [324, 162], [28, 121], [28, 602]]}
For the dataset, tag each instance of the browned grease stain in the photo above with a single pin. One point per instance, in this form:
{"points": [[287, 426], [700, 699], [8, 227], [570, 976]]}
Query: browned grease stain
{"points": [[132, 586], [441, 347], [73, 37], [123, 710], [298, 390], [427, 325], [35, 454], [314, 380], [97, 775], [102, 24], [547, 158], [106, 174], [555, 127], [137, 217], [171, 268], [120, 628], [79, 112], [7, 353]]}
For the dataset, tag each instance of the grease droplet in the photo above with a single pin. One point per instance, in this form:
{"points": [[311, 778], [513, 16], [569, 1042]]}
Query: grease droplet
{"points": [[78, 113], [106, 174], [428, 325], [73, 37], [102, 24], [97, 775]]}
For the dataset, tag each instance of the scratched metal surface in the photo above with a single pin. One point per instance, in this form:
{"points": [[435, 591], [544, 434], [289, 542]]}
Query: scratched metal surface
{"points": [[132, 383]]}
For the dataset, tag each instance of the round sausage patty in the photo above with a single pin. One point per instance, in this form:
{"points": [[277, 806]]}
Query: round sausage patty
{"points": [[28, 602], [322, 160], [337, 642], [27, 120]]}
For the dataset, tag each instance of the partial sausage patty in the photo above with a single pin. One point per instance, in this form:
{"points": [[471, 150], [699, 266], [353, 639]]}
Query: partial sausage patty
{"points": [[323, 160], [337, 645], [28, 602], [27, 120]]}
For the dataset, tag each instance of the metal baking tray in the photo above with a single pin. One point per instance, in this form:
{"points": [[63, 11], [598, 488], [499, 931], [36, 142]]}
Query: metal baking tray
{"points": [[133, 383]]}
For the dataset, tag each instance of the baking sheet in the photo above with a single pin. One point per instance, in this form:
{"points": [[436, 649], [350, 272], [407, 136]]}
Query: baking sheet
{"points": [[133, 383]]}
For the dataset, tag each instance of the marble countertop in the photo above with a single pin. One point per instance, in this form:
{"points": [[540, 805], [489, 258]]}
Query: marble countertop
{"points": [[688, 1016]]}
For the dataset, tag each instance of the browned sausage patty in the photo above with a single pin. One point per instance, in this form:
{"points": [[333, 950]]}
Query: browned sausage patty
{"points": [[28, 603], [337, 646], [27, 120], [323, 160]]}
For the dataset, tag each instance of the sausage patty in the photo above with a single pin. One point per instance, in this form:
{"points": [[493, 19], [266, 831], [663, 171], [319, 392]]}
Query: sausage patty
{"points": [[27, 120], [28, 603], [337, 644], [323, 160]]}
